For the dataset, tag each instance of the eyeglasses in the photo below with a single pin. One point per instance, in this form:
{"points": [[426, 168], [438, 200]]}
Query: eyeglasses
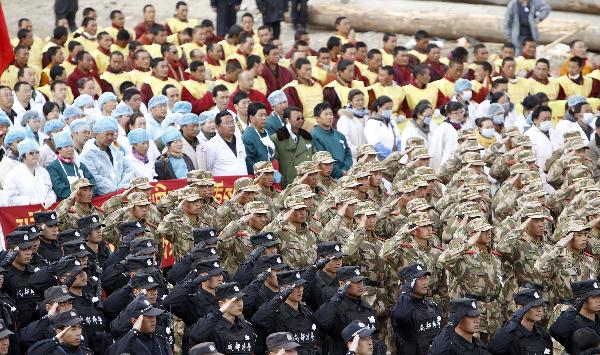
{"points": [[35, 152], [227, 123], [301, 118]]}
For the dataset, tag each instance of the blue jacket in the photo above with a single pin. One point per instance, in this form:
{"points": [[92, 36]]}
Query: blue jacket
{"points": [[335, 143], [255, 150], [60, 183], [274, 122], [538, 10], [109, 177]]}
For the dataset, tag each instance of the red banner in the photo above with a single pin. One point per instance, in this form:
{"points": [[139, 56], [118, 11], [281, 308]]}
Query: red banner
{"points": [[10, 217]]}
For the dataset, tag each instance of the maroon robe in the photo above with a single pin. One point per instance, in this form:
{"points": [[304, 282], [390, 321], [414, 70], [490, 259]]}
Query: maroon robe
{"points": [[277, 80]]}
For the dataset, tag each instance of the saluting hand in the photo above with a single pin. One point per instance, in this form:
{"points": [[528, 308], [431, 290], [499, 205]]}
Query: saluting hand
{"points": [[138, 323], [227, 304], [564, 241]]}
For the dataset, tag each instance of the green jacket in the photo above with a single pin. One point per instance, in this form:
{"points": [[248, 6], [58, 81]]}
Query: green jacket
{"points": [[290, 154]]}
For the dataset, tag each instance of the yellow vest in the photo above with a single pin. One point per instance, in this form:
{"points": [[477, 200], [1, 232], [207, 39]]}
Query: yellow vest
{"points": [[9, 77], [394, 92], [594, 75], [46, 91], [176, 25], [239, 57], [422, 57], [258, 50], [445, 86], [35, 53], [475, 86], [260, 84], [139, 77], [187, 48], [69, 67], [153, 50], [551, 89], [230, 86], [116, 80], [445, 60], [102, 60], [113, 32], [49, 45], [214, 71], [88, 45], [197, 89], [523, 64], [414, 95], [228, 49], [157, 85], [310, 96], [342, 38], [570, 88], [388, 58], [319, 74], [343, 91], [124, 51], [518, 89]]}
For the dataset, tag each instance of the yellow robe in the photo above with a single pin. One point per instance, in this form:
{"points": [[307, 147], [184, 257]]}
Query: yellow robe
{"points": [[139, 77], [102, 60], [413, 95], [551, 89], [116, 80], [570, 88], [228, 49], [422, 57], [310, 96], [343, 91], [394, 92], [176, 25]]}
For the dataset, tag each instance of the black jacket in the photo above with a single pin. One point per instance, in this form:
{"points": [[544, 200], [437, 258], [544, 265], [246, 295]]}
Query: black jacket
{"points": [[515, 339], [164, 170]]}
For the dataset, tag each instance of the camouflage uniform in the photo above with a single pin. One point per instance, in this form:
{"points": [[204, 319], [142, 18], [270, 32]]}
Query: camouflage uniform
{"points": [[231, 211], [266, 194], [69, 211], [306, 167], [139, 184], [456, 161], [339, 228], [505, 199], [393, 162], [327, 183], [476, 274], [408, 171], [177, 228], [194, 178]]}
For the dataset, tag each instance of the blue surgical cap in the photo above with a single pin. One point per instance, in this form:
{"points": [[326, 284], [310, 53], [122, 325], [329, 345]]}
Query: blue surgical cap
{"points": [[575, 99], [171, 134], [14, 134], [30, 115], [182, 107], [62, 139], [138, 135], [105, 98], [79, 124], [494, 109], [26, 146], [189, 118], [157, 101], [72, 111], [277, 97], [104, 124], [121, 110], [4, 120], [53, 125], [84, 100], [461, 85], [205, 117]]}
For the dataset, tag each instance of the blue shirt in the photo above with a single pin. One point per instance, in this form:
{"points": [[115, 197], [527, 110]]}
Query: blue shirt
{"points": [[335, 143]]}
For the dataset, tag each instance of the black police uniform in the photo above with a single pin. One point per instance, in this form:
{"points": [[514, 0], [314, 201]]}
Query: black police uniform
{"points": [[134, 342], [8, 311], [93, 324], [322, 288], [416, 322], [164, 324], [50, 251], [52, 346], [100, 258], [16, 285], [230, 338], [448, 342], [226, 14], [37, 261]]}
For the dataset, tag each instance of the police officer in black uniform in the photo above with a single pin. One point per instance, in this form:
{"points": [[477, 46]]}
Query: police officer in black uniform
{"points": [[118, 300], [142, 338], [77, 248], [226, 327], [415, 318], [49, 248], [465, 317], [90, 228], [361, 346], [262, 244], [37, 261], [17, 276], [522, 334], [265, 286], [205, 245], [583, 314], [226, 14], [129, 231], [344, 307], [68, 338], [277, 342], [325, 284], [8, 307], [208, 348], [287, 313]]}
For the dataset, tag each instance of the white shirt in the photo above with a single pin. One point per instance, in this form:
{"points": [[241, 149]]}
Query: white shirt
{"points": [[541, 145], [152, 126], [238, 134], [412, 131], [557, 134], [353, 128], [221, 161], [21, 187], [377, 132], [443, 143]]}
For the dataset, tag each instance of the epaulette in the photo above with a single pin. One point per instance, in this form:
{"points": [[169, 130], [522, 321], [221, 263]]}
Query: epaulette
{"points": [[381, 238], [313, 229], [72, 210], [495, 252], [470, 252], [407, 245], [438, 248]]}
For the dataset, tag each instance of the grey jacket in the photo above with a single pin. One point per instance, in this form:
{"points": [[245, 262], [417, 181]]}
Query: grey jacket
{"points": [[538, 10]]}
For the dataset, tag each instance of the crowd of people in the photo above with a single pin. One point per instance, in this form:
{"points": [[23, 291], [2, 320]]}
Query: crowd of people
{"points": [[386, 200]]}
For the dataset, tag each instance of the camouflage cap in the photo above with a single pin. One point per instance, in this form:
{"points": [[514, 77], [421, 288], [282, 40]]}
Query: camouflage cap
{"points": [[467, 133], [419, 153], [366, 208], [534, 188], [577, 145], [141, 183], [587, 184], [472, 158], [530, 177], [256, 207], [263, 167], [572, 135], [417, 205], [294, 203], [190, 196], [468, 193], [576, 225], [594, 203], [521, 140], [324, 157], [374, 165], [366, 149], [470, 145], [525, 156], [245, 184], [302, 190], [475, 180], [420, 219], [469, 209], [83, 182], [577, 173], [418, 181], [348, 197], [510, 131], [405, 187], [348, 182], [534, 210], [307, 167], [518, 168], [414, 142], [573, 161], [359, 171], [200, 177], [427, 173], [138, 199], [479, 225]]}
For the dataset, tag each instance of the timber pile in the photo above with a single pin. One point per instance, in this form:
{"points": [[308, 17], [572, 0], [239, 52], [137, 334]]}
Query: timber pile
{"points": [[584, 6], [450, 20]]}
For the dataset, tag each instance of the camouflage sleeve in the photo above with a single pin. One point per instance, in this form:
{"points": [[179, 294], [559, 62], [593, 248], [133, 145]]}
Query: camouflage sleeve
{"points": [[508, 247], [223, 213], [506, 204], [449, 168], [391, 246], [552, 160], [167, 202], [228, 233], [351, 245], [330, 229], [499, 169], [113, 203], [110, 232], [451, 258], [492, 153], [275, 227], [168, 227], [555, 176], [547, 264], [63, 207]]}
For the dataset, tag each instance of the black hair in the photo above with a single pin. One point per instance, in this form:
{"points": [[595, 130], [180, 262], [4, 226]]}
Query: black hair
{"points": [[540, 109], [167, 87], [241, 95], [219, 88], [320, 107], [128, 93], [254, 107], [220, 115]]}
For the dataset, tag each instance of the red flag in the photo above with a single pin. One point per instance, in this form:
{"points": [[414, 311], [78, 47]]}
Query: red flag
{"points": [[6, 51]]}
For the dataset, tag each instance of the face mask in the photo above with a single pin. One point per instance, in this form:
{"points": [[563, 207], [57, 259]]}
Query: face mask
{"points": [[588, 117], [89, 111], [506, 107], [386, 114], [574, 77], [426, 120], [467, 95], [498, 119], [399, 118], [488, 132], [545, 126], [528, 119]]}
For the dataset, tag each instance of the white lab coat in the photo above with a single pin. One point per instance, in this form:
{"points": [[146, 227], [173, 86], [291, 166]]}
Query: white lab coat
{"points": [[20, 110], [482, 109], [139, 168], [21, 187], [196, 155], [353, 128], [541, 145], [153, 127], [47, 155], [443, 143], [377, 132], [238, 134], [557, 134], [221, 161], [412, 131]]}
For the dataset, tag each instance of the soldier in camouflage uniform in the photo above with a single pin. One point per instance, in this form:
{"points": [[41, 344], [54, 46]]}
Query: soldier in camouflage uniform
{"points": [[77, 205], [418, 157], [498, 149], [178, 225], [265, 173], [204, 184], [395, 161], [575, 154], [324, 162], [465, 212], [434, 188], [366, 153], [304, 191], [137, 184], [234, 241], [393, 215], [421, 205], [308, 173], [361, 174], [476, 273], [298, 243], [326, 210], [504, 201], [244, 191], [342, 225], [377, 193], [500, 169], [467, 141]]}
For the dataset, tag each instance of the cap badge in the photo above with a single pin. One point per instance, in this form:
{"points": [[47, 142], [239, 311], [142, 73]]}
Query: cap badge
{"points": [[279, 260], [212, 233], [73, 314], [94, 220], [52, 216], [419, 268], [216, 264], [81, 247], [25, 237], [77, 234], [474, 305], [150, 279], [213, 251], [269, 236], [77, 263], [236, 289], [337, 247], [536, 295], [146, 302], [138, 225], [595, 285], [297, 275], [357, 272], [361, 324], [212, 348], [246, 337], [33, 229], [289, 337], [149, 244], [149, 262]]}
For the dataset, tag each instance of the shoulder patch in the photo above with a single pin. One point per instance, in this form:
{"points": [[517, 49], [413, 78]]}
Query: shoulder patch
{"points": [[99, 209], [241, 234], [407, 245], [470, 252], [154, 226]]}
